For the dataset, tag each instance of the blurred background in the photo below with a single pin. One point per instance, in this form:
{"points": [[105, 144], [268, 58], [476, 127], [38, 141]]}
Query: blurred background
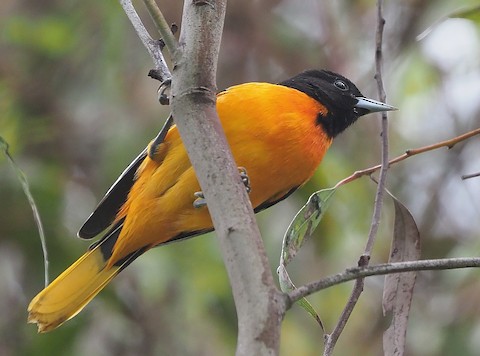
{"points": [[76, 106]]}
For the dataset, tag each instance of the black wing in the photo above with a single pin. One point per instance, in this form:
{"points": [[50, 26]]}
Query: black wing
{"points": [[107, 209], [268, 203]]}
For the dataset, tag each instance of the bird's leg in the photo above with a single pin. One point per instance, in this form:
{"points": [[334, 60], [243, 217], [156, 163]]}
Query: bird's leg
{"points": [[245, 179], [201, 202]]}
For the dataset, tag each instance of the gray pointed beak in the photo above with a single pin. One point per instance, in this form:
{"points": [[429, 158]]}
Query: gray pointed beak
{"points": [[369, 105]]}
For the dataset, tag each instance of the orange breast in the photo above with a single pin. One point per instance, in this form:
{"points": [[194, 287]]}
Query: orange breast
{"points": [[276, 139]]}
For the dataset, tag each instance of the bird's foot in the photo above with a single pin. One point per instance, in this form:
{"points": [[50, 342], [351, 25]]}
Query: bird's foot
{"points": [[200, 201]]}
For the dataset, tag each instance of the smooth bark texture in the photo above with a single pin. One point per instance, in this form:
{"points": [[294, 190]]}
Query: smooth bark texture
{"points": [[260, 306]]}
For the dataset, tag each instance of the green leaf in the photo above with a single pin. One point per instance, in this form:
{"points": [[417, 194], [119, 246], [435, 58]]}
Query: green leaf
{"points": [[26, 189], [304, 223], [301, 229], [286, 285]]}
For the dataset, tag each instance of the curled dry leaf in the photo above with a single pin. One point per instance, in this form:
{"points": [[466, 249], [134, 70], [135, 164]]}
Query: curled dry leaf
{"points": [[398, 289]]}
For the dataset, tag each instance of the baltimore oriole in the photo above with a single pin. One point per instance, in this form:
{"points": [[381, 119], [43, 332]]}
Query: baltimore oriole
{"points": [[278, 132]]}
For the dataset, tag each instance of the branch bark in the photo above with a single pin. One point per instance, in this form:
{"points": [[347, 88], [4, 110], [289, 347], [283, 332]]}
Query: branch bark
{"points": [[381, 269], [260, 306], [364, 260], [153, 47], [409, 153]]}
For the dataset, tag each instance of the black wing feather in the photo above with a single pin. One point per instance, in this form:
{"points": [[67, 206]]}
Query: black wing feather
{"points": [[107, 209], [268, 203]]}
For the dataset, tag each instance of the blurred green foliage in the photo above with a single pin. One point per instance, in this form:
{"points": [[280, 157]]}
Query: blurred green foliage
{"points": [[76, 106]]}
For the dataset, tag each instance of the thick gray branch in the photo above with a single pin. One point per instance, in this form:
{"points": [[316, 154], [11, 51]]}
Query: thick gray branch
{"points": [[259, 305]]}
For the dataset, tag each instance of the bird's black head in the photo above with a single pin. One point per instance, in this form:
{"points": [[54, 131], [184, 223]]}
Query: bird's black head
{"points": [[344, 102]]}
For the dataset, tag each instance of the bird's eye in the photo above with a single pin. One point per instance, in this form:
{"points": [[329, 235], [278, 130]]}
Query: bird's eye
{"points": [[340, 84]]}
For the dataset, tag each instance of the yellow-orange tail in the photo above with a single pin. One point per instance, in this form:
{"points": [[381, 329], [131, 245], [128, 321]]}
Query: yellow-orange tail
{"points": [[68, 294], [72, 290]]}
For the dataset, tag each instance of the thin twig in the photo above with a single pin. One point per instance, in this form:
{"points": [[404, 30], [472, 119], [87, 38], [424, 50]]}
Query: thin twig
{"points": [[381, 269], [162, 26], [473, 175], [409, 153], [153, 47], [384, 166], [331, 339]]}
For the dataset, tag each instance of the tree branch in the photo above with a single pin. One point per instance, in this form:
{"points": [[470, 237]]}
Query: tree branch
{"points": [[162, 26], [260, 306], [409, 153], [153, 47], [384, 166], [331, 339], [469, 176], [381, 269]]}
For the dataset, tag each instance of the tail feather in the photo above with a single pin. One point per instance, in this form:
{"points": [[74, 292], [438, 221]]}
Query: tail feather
{"points": [[72, 290]]}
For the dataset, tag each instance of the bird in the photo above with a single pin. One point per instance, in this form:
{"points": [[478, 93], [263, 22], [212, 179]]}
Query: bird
{"points": [[278, 134]]}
